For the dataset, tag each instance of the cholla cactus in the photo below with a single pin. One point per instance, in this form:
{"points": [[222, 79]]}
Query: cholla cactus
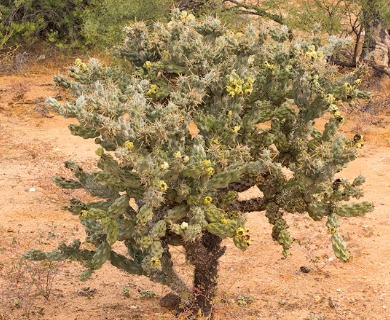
{"points": [[254, 98]]}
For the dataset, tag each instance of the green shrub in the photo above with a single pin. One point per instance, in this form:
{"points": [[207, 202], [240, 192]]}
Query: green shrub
{"points": [[254, 98], [103, 21], [25, 21], [73, 22]]}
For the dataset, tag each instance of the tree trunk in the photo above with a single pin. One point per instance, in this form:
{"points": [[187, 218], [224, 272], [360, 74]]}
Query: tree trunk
{"points": [[204, 254], [376, 46]]}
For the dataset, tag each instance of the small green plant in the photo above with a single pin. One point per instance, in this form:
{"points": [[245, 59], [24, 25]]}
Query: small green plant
{"points": [[125, 292], [254, 98], [147, 294], [244, 300]]}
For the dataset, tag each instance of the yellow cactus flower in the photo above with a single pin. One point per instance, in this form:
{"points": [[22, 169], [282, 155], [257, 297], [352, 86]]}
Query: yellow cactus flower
{"points": [[186, 159], [347, 86], [163, 186], [148, 64], [155, 262], [164, 166], [236, 129], [177, 155], [210, 171], [269, 66], [339, 117], [80, 64], [359, 145], [330, 98], [183, 15], [207, 200], [331, 230], [190, 17], [229, 113], [358, 138], [235, 84], [248, 86], [214, 141], [153, 89], [129, 145], [241, 231], [206, 163]]}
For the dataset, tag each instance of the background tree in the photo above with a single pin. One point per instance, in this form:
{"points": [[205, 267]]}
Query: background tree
{"points": [[74, 23], [376, 48]]}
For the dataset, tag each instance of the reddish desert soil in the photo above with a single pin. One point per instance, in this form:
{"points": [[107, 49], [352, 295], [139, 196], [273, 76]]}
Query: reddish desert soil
{"points": [[34, 143]]}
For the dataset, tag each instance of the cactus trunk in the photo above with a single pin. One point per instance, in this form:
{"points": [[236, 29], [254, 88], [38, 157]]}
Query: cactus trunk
{"points": [[204, 255]]}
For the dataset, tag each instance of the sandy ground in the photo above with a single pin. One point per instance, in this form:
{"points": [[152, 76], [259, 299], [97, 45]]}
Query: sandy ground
{"points": [[34, 144]]}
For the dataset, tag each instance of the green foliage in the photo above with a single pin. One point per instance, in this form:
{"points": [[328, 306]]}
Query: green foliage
{"points": [[73, 22], [103, 21], [27, 21], [255, 99]]}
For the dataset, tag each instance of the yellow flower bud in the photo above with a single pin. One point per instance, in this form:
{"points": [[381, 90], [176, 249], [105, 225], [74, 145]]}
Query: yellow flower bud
{"points": [[177, 155], [99, 152]]}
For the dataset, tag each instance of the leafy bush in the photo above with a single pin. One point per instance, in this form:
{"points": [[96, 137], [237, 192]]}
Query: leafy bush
{"points": [[254, 99], [28, 20], [73, 22]]}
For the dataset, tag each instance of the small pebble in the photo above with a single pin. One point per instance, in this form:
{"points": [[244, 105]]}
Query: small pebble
{"points": [[304, 269]]}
